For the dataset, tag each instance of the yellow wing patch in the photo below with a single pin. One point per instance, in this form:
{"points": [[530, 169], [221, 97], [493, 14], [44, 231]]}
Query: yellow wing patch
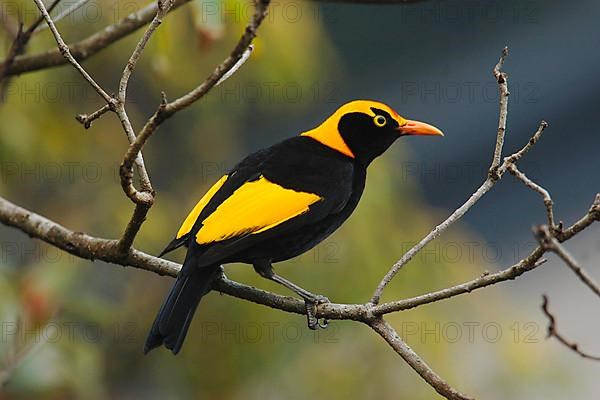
{"points": [[190, 220], [253, 208]]}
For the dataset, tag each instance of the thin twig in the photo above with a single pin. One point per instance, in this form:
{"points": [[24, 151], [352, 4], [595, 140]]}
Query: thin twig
{"points": [[143, 199], [261, 8], [549, 242], [552, 332], [67, 11], [485, 187], [91, 45], [40, 19], [513, 158], [406, 257], [164, 7], [529, 263], [93, 248], [64, 49], [18, 47], [237, 65], [502, 79], [121, 251], [86, 120], [108, 36], [389, 334], [474, 198], [548, 203], [166, 110]]}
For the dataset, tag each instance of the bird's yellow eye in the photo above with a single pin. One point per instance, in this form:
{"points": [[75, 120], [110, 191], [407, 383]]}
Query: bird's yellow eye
{"points": [[379, 120]]}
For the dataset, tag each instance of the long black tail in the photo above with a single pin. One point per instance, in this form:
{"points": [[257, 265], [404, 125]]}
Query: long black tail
{"points": [[173, 320]]}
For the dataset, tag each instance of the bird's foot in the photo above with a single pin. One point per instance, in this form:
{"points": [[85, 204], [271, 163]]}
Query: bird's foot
{"points": [[311, 312]]}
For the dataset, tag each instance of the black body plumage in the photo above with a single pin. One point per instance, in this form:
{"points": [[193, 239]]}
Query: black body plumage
{"points": [[321, 174], [300, 163]]}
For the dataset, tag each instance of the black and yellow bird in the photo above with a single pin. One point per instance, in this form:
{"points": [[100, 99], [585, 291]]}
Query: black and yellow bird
{"points": [[276, 204]]}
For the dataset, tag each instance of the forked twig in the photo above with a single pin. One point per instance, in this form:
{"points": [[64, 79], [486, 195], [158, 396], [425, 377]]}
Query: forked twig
{"points": [[552, 332]]}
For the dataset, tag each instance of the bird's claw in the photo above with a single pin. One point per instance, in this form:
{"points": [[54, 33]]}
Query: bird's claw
{"points": [[311, 312]]}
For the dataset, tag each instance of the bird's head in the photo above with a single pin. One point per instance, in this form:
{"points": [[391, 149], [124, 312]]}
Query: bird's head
{"points": [[364, 129]]}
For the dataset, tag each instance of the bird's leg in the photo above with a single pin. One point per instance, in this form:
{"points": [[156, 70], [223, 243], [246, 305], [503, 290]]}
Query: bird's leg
{"points": [[311, 300]]}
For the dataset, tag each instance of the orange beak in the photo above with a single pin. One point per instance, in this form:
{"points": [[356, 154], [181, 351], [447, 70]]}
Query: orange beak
{"points": [[419, 128]]}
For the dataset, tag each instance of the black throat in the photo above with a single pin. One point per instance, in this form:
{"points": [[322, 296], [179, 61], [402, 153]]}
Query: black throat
{"points": [[365, 140]]}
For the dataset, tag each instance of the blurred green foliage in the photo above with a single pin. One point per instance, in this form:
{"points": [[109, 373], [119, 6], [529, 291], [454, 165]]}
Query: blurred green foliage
{"points": [[95, 316]]}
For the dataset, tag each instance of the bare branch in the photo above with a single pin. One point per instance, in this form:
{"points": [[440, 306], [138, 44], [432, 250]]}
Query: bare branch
{"points": [[121, 251], [527, 264], [115, 104], [513, 158], [18, 46], [67, 11], [493, 177], [237, 65], [549, 242], [86, 120], [98, 41], [145, 199], [548, 203], [496, 172], [455, 216], [135, 222], [77, 243], [502, 79], [389, 334], [552, 332], [91, 45], [168, 109], [261, 8], [531, 262], [40, 19], [64, 50], [163, 8], [93, 248]]}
